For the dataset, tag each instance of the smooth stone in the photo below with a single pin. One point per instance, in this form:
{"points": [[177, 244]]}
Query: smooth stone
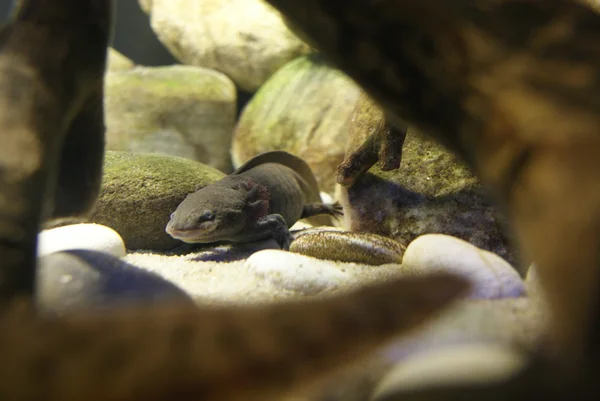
{"points": [[305, 108], [295, 272], [513, 322], [433, 191], [245, 39], [491, 276], [85, 279], [217, 274], [81, 236], [344, 246], [140, 191], [172, 110], [449, 366]]}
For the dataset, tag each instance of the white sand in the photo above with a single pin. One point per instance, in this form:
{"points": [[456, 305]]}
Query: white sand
{"points": [[233, 282]]}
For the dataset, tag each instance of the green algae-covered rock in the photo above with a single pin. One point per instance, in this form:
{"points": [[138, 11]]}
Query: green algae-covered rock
{"points": [[140, 191], [175, 110], [432, 192], [305, 109]]}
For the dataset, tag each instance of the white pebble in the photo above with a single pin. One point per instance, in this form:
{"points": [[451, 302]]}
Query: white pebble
{"points": [[451, 365], [326, 198], [294, 272], [81, 236], [300, 225], [490, 275]]}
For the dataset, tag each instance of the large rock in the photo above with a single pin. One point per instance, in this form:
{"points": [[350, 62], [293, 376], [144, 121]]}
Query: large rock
{"points": [[432, 192], [176, 110], [140, 191], [305, 109], [81, 279], [245, 39]]}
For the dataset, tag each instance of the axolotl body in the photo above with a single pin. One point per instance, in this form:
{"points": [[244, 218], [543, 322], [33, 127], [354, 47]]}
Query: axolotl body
{"points": [[261, 199]]}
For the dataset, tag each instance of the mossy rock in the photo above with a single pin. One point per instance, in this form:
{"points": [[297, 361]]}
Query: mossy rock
{"points": [[174, 110], [433, 191], [305, 109], [140, 191]]}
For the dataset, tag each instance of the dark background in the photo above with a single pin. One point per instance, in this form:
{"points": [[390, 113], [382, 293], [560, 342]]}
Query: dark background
{"points": [[133, 36]]}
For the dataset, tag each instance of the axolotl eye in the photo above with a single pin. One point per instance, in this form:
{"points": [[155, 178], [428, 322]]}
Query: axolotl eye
{"points": [[206, 216]]}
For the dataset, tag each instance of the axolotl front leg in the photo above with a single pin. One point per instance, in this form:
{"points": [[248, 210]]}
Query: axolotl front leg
{"points": [[275, 226], [261, 223]]}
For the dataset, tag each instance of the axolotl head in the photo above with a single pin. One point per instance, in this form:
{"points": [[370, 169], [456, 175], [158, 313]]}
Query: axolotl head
{"points": [[213, 213]]}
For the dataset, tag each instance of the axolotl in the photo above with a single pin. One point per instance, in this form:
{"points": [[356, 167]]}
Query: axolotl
{"points": [[260, 199]]}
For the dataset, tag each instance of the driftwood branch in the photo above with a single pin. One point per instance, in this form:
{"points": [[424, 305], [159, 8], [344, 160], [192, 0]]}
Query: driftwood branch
{"points": [[52, 60], [513, 86]]}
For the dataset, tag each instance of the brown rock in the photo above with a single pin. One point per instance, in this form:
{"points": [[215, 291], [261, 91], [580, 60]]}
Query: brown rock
{"points": [[305, 109], [431, 192]]}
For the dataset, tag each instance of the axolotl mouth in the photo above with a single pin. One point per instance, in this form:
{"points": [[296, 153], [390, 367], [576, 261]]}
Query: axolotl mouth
{"points": [[193, 235]]}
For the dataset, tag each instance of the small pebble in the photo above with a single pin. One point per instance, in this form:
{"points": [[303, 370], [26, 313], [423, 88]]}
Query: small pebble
{"points": [[81, 236], [294, 272], [491, 276], [345, 246], [447, 366], [326, 198]]}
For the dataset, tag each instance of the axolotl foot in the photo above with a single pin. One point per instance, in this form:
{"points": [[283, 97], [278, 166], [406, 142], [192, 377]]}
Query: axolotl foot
{"points": [[278, 228], [318, 208]]}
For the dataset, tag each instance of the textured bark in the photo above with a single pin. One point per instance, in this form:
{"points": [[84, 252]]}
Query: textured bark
{"points": [[52, 61], [513, 86], [177, 351]]}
